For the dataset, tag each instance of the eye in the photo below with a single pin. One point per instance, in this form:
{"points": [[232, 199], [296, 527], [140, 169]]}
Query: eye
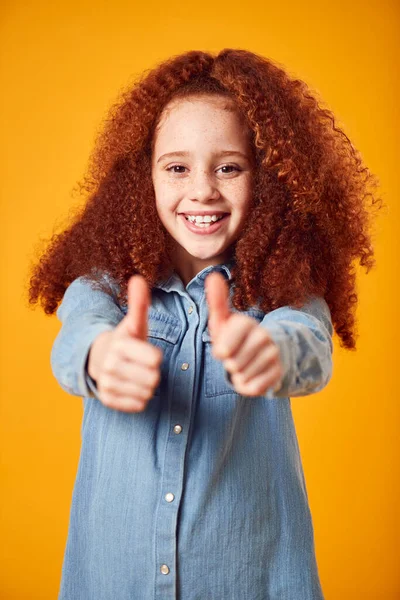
{"points": [[170, 169], [176, 167], [230, 167]]}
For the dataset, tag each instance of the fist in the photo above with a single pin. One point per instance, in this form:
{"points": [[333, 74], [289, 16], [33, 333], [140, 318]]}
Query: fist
{"points": [[246, 349], [130, 368]]}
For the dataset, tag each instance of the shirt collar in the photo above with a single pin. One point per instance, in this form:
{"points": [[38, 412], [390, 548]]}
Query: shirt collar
{"points": [[174, 282]]}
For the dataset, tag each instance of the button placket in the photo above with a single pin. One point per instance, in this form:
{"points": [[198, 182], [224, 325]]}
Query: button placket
{"points": [[170, 501]]}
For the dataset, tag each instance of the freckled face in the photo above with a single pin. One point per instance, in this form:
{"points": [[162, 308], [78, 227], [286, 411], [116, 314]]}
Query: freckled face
{"points": [[202, 163]]}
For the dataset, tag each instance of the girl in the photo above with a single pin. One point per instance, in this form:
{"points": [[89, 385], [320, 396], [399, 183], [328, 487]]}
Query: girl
{"points": [[199, 285]]}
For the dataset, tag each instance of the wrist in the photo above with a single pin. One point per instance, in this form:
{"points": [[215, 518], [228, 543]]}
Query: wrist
{"points": [[96, 354]]}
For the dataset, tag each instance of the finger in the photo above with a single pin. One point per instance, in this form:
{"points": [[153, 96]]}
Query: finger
{"points": [[258, 386], [138, 304], [267, 359], [133, 351], [254, 343], [126, 372], [232, 335], [123, 388], [124, 404], [217, 294]]}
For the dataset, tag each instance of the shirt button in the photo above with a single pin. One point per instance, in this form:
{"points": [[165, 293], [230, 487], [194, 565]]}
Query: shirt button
{"points": [[190, 310], [177, 429], [169, 497], [164, 569], [185, 366]]}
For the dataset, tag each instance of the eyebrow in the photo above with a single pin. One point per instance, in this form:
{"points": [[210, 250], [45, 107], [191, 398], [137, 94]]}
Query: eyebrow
{"points": [[186, 153]]}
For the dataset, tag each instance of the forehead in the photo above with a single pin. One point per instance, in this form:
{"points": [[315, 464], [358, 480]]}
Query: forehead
{"points": [[214, 116], [212, 101]]}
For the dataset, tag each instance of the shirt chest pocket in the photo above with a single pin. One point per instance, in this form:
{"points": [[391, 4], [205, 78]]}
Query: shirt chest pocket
{"points": [[164, 332], [216, 382], [215, 377]]}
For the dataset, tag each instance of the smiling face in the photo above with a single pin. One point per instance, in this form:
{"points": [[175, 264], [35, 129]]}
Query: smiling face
{"points": [[202, 170]]}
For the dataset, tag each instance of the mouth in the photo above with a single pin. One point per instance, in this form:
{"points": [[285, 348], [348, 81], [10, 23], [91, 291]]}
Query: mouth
{"points": [[211, 222]]}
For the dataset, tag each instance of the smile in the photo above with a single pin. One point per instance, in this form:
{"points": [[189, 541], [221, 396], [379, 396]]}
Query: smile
{"points": [[204, 228]]}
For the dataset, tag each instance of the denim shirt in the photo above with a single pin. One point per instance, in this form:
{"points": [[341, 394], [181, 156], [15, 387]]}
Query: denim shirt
{"points": [[201, 496]]}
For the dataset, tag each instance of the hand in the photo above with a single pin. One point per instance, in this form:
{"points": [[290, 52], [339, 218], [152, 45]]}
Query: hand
{"points": [[246, 349], [129, 369]]}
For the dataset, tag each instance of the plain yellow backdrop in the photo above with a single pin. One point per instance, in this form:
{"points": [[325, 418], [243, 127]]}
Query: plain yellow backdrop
{"points": [[62, 66]]}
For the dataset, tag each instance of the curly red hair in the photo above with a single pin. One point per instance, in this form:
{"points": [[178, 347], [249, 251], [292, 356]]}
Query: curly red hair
{"points": [[309, 221]]}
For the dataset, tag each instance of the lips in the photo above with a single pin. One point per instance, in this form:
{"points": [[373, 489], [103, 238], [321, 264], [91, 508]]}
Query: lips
{"points": [[205, 230]]}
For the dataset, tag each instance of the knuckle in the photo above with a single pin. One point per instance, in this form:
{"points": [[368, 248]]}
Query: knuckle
{"points": [[130, 407], [124, 349], [256, 389], [109, 364], [108, 400], [243, 318], [135, 408], [238, 383], [251, 324], [155, 378], [274, 351], [234, 318], [117, 346], [143, 394], [279, 371], [247, 392], [262, 334], [239, 320], [138, 403], [106, 382], [124, 404], [232, 365], [156, 356]]}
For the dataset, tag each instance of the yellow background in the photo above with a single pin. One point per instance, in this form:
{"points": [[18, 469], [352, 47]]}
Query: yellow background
{"points": [[62, 65]]}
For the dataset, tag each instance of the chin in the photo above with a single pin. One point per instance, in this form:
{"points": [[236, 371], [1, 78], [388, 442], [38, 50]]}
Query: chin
{"points": [[205, 255]]}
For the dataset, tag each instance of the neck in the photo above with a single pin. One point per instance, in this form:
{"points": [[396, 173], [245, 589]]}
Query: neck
{"points": [[187, 266]]}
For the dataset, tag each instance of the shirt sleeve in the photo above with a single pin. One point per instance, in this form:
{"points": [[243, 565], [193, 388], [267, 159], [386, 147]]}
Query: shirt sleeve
{"points": [[84, 314], [304, 338]]}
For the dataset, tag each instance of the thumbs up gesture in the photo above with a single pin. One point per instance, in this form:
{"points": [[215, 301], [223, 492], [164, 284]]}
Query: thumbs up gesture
{"points": [[124, 364], [246, 349]]}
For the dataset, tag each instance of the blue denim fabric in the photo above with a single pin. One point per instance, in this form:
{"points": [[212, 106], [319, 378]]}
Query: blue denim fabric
{"points": [[202, 495]]}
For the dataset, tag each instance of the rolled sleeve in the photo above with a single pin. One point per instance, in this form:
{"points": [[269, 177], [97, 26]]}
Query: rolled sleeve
{"points": [[85, 313], [304, 339]]}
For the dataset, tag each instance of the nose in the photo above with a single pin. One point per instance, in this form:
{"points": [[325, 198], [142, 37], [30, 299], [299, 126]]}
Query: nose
{"points": [[203, 188]]}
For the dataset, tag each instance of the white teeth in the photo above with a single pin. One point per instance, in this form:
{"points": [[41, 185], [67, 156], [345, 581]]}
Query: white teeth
{"points": [[198, 220]]}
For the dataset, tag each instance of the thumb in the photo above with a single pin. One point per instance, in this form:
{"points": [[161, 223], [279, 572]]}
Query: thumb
{"points": [[217, 294], [138, 304]]}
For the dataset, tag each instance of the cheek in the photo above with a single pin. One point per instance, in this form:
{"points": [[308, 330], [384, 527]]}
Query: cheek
{"points": [[241, 191], [242, 200], [165, 206]]}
